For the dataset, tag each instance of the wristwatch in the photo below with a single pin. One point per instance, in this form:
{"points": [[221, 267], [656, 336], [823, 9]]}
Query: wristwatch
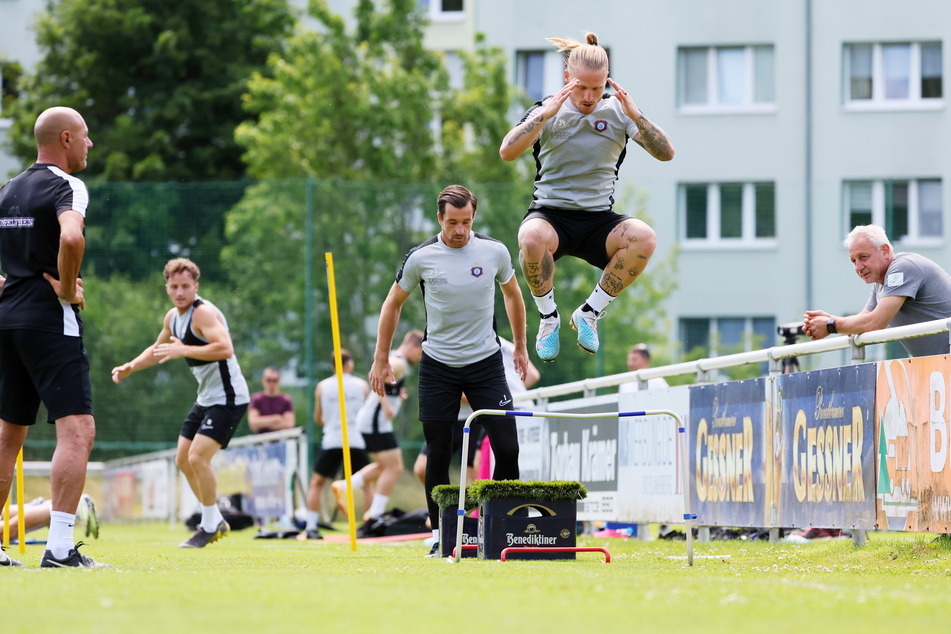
{"points": [[830, 326]]}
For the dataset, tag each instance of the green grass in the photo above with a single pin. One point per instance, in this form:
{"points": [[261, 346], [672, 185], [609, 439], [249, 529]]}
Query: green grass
{"points": [[896, 582]]}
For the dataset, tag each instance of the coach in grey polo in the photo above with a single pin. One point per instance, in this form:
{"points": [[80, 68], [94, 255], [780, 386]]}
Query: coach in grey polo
{"points": [[457, 272], [907, 288]]}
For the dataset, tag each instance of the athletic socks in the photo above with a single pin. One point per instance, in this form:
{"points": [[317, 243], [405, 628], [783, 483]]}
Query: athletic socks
{"points": [[378, 506], [546, 303], [210, 518], [60, 539], [313, 517], [598, 300], [357, 480]]}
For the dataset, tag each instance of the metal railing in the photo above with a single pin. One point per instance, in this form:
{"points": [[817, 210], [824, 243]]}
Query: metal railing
{"points": [[773, 356]]}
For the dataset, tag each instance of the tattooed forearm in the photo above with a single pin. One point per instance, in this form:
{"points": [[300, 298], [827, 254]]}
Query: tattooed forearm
{"points": [[653, 139], [527, 128]]}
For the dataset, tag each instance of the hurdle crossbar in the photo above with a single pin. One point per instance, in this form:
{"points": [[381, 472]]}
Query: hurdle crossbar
{"points": [[681, 430]]}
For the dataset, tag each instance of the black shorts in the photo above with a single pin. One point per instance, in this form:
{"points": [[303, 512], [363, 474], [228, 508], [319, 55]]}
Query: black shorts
{"points": [[218, 422], [582, 234], [42, 366], [441, 388], [476, 433], [330, 461], [380, 441]]}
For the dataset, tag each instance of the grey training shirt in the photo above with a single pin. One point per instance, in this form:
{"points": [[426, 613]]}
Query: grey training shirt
{"points": [[578, 156], [458, 288], [927, 289]]}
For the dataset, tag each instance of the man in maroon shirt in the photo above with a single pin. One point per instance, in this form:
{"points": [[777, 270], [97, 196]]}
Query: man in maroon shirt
{"points": [[271, 409]]}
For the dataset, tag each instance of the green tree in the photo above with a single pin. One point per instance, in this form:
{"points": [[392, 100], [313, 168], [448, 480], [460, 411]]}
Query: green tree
{"points": [[355, 111], [159, 83]]}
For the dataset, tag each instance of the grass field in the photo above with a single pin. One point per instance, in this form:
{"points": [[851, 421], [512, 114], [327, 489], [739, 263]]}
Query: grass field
{"points": [[897, 582]]}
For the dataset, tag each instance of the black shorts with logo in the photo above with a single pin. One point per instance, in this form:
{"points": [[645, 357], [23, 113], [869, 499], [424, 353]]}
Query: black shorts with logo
{"points": [[581, 234], [218, 422], [42, 366]]}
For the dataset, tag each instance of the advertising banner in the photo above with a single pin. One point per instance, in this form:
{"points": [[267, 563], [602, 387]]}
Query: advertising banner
{"points": [[261, 472], [650, 457], [826, 448], [726, 446], [585, 450], [912, 462]]}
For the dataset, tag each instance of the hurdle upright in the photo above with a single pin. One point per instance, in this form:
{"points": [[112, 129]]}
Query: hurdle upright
{"points": [[681, 430]]}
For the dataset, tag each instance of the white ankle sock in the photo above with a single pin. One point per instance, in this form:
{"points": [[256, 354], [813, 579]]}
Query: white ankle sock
{"points": [[378, 506], [356, 480], [546, 303], [60, 539], [599, 299], [210, 518], [313, 517]]}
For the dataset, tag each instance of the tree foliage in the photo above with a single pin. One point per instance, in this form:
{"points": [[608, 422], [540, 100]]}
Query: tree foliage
{"points": [[369, 115], [159, 83]]}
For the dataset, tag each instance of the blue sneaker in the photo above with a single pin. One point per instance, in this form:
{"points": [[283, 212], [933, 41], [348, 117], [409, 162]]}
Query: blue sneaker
{"points": [[546, 343], [586, 323]]}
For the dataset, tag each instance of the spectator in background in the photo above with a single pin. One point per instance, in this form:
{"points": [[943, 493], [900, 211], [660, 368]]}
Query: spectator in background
{"points": [[907, 288], [639, 358], [271, 409]]}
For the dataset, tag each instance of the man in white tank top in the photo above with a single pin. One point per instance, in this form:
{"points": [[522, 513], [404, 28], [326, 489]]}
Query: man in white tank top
{"points": [[195, 330], [328, 413]]}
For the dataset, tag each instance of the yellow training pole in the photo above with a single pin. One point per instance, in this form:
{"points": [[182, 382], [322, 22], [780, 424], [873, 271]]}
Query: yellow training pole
{"points": [[21, 516], [338, 361]]}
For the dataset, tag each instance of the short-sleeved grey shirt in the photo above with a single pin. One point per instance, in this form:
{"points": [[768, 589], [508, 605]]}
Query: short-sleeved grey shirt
{"points": [[458, 288], [927, 289], [578, 156]]}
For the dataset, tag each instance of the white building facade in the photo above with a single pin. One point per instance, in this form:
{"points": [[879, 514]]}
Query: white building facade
{"points": [[793, 120]]}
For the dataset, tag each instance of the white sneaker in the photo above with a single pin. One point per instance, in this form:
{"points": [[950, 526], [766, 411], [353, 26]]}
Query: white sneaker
{"points": [[7, 560]]}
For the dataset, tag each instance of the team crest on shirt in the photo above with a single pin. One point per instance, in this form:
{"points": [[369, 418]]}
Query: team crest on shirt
{"points": [[600, 125], [477, 271]]}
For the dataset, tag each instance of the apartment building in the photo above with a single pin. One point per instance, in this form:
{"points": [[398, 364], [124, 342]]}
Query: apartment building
{"points": [[793, 121]]}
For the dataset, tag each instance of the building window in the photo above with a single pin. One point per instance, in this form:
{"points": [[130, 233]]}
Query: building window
{"points": [[909, 210], [539, 73], [702, 337], [444, 10], [726, 79], [728, 213], [893, 75]]}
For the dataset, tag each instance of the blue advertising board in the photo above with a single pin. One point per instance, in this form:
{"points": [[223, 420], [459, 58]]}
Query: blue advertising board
{"points": [[827, 476], [726, 463]]}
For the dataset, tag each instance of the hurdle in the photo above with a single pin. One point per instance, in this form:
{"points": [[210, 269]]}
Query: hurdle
{"points": [[681, 430]]}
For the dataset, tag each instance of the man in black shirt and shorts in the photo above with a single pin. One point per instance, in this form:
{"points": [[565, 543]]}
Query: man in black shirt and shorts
{"points": [[42, 358]]}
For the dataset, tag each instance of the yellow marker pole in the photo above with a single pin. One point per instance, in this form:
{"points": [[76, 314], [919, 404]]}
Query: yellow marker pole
{"points": [[338, 361], [21, 503]]}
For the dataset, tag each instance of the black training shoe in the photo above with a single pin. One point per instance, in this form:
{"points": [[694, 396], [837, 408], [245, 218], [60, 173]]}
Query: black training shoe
{"points": [[434, 552], [74, 559], [7, 560], [201, 538], [310, 533]]}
